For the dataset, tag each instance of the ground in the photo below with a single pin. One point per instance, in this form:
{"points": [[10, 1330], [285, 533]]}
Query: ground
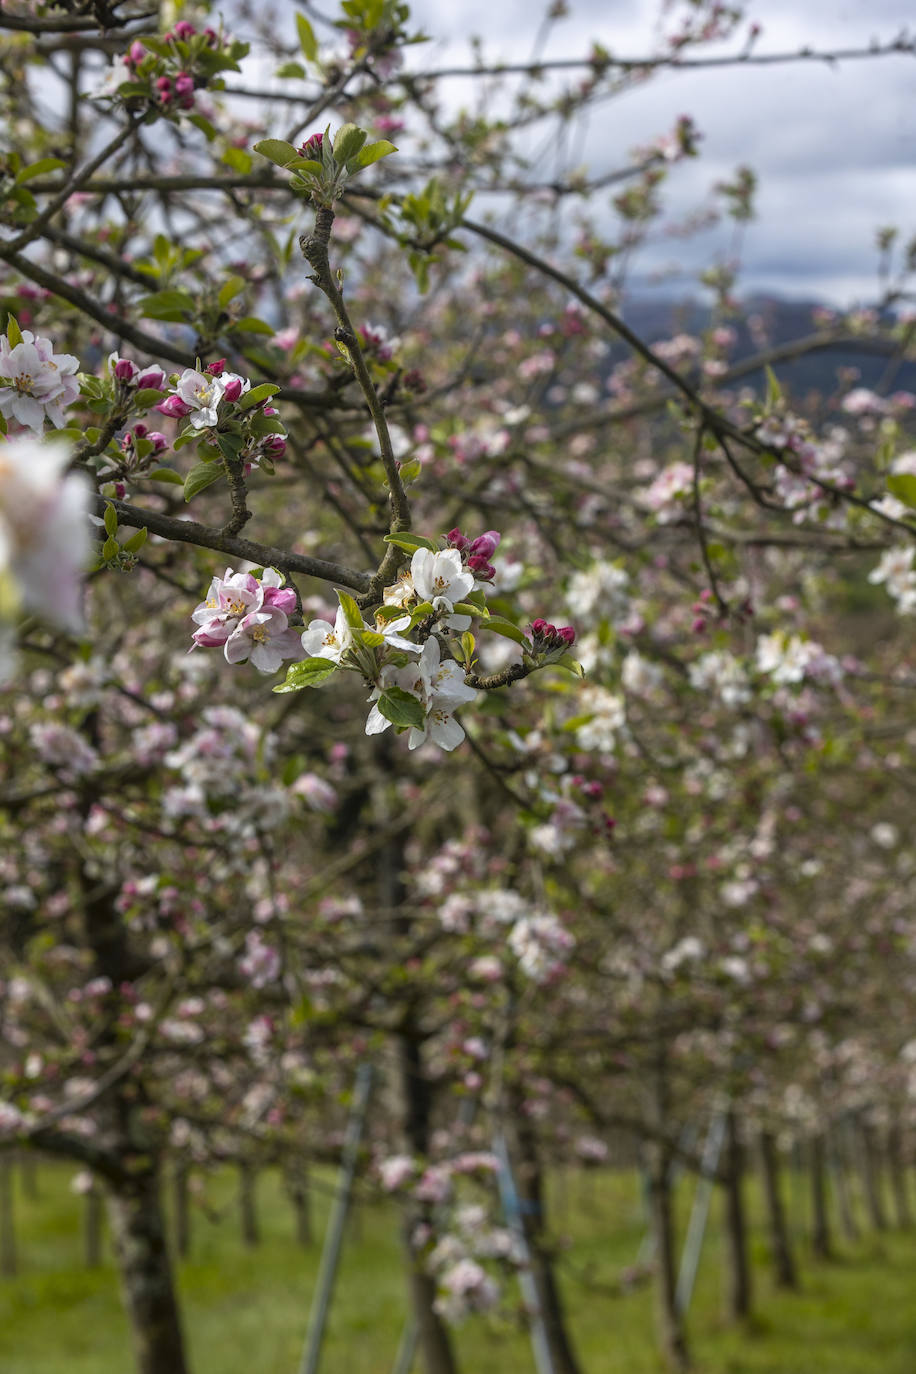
{"points": [[246, 1310]]}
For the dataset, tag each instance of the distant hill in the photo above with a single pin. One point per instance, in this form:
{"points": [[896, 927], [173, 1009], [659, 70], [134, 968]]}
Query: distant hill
{"points": [[784, 321]]}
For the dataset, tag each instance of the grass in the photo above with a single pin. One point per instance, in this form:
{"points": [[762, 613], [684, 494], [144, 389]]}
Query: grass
{"points": [[246, 1310]]}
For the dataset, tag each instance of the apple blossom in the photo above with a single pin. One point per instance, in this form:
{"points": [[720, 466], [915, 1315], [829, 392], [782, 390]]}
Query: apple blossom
{"points": [[40, 381], [264, 637], [324, 640]]}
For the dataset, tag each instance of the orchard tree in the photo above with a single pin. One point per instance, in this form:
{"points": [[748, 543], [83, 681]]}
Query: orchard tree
{"points": [[307, 466]]}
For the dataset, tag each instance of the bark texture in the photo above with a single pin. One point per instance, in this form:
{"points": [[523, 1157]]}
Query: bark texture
{"points": [[783, 1261], [146, 1275]]}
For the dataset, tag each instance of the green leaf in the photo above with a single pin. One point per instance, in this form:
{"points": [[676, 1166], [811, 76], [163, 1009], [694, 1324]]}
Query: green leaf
{"points": [[421, 612], [468, 608], [110, 549], [166, 475], [310, 673], [262, 392], [774, 390], [230, 446], [252, 325], [373, 151], [38, 169], [402, 708], [571, 664], [204, 125], [307, 40], [136, 541], [276, 150], [386, 613], [290, 69], [13, 332], [111, 520], [347, 142], [200, 476], [238, 159], [147, 397], [266, 424], [507, 630], [903, 486], [411, 542], [410, 472], [167, 305], [230, 289], [352, 613]]}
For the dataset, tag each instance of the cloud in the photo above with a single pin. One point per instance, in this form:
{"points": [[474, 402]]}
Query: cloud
{"points": [[831, 143]]}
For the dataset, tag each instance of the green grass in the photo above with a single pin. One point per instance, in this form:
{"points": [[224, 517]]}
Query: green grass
{"points": [[246, 1310]]}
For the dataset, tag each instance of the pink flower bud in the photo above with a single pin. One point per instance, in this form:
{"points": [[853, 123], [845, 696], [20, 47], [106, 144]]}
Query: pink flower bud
{"points": [[567, 634], [212, 38], [458, 540], [135, 54], [184, 30], [233, 390], [125, 370], [486, 544], [164, 87], [275, 445], [153, 377], [140, 430], [541, 627], [159, 442], [218, 368], [311, 148], [481, 569], [174, 407]]}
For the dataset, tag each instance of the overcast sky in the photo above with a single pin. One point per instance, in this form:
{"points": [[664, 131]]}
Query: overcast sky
{"points": [[834, 147]]}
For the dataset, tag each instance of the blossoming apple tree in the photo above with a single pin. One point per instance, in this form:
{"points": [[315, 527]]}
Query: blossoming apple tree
{"points": [[292, 473]]}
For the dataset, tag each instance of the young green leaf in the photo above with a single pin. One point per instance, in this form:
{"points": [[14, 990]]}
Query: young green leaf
{"points": [[307, 40], [373, 151], [310, 673], [200, 476], [276, 150], [402, 708], [507, 630], [353, 614]]}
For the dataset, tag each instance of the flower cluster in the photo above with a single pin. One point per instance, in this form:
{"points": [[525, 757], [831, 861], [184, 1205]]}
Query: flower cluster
{"points": [[35, 382], [212, 400], [400, 657], [439, 688], [248, 619], [167, 71], [134, 378]]}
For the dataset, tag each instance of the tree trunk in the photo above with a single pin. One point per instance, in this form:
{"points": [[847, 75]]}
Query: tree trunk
{"points": [[433, 1340], [146, 1275], [522, 1148], [92, 1227], [672, 1336], [181, 1194], [248, 1209], [838, 1159], [297, 1188], [820, 1220], [780, 1244], [898, 1177], [738, 1270], [871, 1176], [8, 1265]]}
